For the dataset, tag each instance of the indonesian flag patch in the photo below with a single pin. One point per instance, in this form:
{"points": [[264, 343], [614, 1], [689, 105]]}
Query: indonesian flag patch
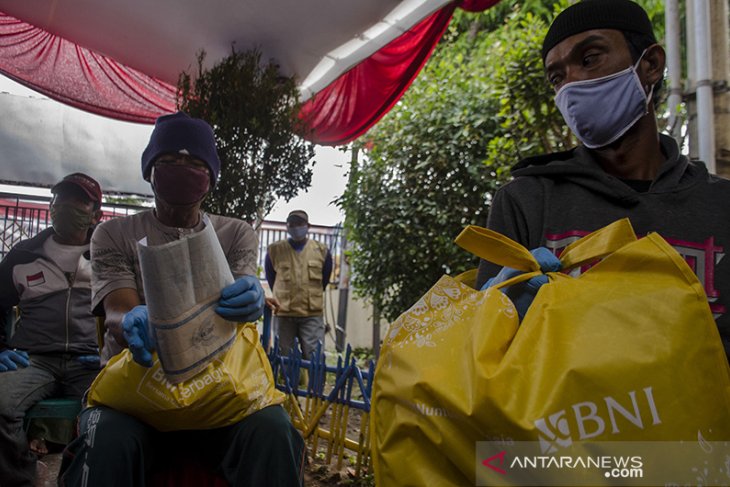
{"points": [[35, 279]]}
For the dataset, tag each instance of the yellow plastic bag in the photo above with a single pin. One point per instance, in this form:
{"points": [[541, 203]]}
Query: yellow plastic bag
{"points": [[627, 351], [234, 385]]}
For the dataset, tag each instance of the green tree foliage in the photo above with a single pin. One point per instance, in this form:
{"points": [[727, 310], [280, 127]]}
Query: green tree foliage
{"points": [[530, 122], [480, 104], [254, 113]]}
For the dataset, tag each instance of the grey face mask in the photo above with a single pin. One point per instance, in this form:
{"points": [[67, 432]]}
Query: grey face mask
{"points": [[298, 233], [599, 111]]}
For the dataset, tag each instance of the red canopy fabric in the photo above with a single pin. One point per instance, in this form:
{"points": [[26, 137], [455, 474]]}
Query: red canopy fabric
{"points": [[79, 77], [359, 98], [338, 114], [476, 5]]}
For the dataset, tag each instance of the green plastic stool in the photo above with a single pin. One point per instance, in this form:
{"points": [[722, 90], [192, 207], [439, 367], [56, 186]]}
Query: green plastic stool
{"points": [[57, 415]]}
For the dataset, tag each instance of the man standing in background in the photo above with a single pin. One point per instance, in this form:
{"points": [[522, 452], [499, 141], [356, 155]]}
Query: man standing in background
{"points": [[298, 270]]}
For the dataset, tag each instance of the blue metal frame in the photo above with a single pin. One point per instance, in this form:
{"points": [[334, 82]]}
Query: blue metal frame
{"points": [[287, 370]]}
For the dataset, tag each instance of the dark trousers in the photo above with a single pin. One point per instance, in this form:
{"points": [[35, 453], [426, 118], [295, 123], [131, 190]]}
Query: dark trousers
{"points": [[114, 449], [50, 375]]}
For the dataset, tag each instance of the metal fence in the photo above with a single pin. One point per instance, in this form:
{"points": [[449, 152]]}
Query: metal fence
{"points": [[334, 416], [24, 216]]}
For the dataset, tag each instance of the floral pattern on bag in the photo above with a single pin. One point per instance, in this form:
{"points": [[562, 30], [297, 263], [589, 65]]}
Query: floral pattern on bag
{"points": [[437, 311]]}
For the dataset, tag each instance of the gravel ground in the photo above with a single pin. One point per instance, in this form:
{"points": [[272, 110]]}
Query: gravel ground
{"points": [[317, 474], [48, 470]]}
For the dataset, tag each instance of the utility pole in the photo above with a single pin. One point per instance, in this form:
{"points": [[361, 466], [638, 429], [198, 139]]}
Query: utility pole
{"points": [[376, 331], [721, 80], [672, 34], [703, 84], [344, 298], [342, 301], [715, 81]]}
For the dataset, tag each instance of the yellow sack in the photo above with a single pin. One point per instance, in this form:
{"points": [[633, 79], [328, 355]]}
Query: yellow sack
{"points": [[234, 385], [627, 351]]}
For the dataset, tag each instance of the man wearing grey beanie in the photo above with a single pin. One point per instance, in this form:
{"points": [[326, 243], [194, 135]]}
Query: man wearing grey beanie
{"points": [[604, 63]]}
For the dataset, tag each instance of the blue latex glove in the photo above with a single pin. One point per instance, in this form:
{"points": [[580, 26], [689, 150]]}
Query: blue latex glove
{"points": [[11, 359], [242, 301], [136, 331], [523, 293], [89, 361]]}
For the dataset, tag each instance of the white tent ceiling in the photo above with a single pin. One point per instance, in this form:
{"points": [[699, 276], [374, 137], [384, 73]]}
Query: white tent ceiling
{"points": [[316, 40]]}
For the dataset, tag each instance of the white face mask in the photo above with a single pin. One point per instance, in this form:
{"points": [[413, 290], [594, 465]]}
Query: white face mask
{"points": [[599, 111]]}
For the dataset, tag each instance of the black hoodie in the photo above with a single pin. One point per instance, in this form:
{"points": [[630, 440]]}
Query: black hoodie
{"points": [[557, 198]]}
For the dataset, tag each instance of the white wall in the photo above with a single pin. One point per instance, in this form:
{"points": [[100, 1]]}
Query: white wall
{"points": [[359, 331]]}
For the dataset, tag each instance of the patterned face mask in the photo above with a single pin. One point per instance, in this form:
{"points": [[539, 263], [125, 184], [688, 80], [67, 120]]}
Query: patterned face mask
{"points": [[69, 220]]}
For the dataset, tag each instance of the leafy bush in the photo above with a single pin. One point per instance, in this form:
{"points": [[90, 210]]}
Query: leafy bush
{"points": [[254, 113]]}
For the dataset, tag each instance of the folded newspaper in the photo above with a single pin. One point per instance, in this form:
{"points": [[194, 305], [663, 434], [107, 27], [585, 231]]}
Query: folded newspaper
{"points": [[182, 282]]}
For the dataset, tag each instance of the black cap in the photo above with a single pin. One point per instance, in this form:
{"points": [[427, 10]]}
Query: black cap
{"points": [[623, 15]]}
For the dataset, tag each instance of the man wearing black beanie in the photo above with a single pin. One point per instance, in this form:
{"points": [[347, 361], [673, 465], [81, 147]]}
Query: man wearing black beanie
{"points": [[602, 59]]}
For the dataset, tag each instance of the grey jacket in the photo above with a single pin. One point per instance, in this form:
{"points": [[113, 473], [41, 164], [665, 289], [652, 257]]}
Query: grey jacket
{"points": [[55, 308]]}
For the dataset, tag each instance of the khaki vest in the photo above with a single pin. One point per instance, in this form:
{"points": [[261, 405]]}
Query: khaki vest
{"points": [[298, 284]]}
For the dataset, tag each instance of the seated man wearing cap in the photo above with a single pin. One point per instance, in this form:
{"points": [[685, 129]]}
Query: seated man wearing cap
{"points": [[115, 449], [298, 270], [53, 352], [604, 63]]}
